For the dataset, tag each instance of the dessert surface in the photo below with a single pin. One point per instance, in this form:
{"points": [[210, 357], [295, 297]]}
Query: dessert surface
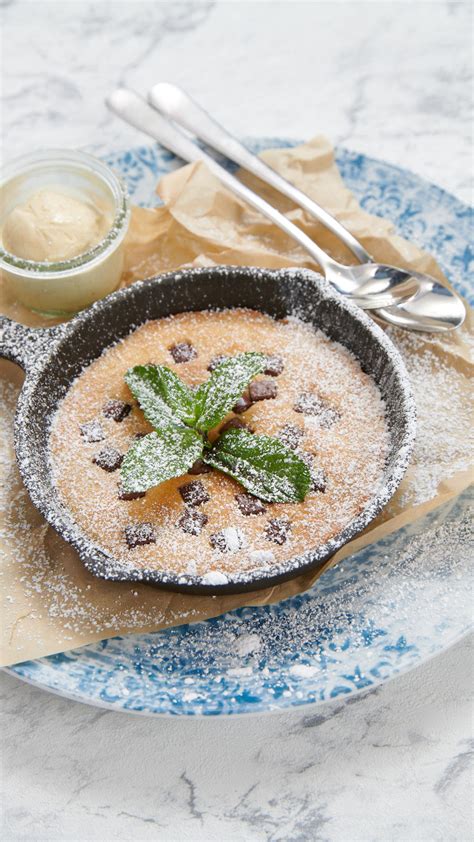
{"points": [[313, 395]]}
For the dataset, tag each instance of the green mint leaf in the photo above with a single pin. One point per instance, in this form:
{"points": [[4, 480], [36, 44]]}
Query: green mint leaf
{"points": [[162, 396], [262, 464], [168, 452], [216, 397]]}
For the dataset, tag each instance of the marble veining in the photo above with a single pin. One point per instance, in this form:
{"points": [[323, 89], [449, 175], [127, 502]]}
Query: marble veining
{"points": [[392, 80]]}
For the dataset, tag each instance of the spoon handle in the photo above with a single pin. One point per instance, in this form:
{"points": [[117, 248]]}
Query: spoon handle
{"points": [[136, 111], [176, 104]]}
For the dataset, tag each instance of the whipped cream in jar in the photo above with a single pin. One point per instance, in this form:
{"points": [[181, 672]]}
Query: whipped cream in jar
{"points": [[63, 219]]}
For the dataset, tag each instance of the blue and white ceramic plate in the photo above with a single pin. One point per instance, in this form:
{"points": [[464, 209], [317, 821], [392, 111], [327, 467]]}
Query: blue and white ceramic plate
{"points": [[377, 614]]}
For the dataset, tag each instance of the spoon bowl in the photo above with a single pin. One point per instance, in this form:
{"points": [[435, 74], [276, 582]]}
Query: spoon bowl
{"points": [[369, 284], [435, 309]]}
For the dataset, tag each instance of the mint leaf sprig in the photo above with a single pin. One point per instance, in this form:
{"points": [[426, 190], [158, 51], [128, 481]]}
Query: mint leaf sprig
{"points": [[262, 464], [220, 392], [162, 396], [182, 418]]}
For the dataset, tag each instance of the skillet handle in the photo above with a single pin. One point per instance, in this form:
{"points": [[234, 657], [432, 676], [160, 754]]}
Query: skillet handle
{"points": [[26, 346]]}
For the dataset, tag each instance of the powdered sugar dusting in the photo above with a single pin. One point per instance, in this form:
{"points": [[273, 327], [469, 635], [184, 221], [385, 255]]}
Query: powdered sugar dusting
{"points": [[292, 292], [351, 448], [445, 439]]}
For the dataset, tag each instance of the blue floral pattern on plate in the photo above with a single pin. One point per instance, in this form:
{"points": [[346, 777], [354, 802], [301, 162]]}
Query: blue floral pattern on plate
{"points": [[378, 613]]}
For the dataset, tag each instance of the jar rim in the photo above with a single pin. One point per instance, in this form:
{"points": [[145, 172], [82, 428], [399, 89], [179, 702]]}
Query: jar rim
{"points": [[80, 161]]}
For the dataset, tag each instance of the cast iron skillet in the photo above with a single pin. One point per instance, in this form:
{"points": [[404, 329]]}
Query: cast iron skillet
{"points": [[53, 357]]}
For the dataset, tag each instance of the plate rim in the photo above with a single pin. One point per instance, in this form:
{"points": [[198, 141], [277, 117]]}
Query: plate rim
{"points": [[289, 707], [283, 705]]}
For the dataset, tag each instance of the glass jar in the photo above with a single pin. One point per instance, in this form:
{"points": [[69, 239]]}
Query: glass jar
{"points": [[61, 288]]}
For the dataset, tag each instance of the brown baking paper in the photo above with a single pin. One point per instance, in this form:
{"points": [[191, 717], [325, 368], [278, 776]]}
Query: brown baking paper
{"points": [[51, 603]]}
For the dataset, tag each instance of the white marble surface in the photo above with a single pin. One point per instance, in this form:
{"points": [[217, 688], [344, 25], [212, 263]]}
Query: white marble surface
{"points": [[392, 79], [391, 765]]}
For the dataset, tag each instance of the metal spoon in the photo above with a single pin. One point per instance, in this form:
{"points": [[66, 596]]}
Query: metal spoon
{"points": [[434, 308], [370, 285]]}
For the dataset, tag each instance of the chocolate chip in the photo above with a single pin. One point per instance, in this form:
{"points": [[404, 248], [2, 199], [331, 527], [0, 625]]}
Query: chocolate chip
{"points": [[192, 521], [250, 505], [139, 534], [329, 417], [290, 435], [237, 423], [109, 459], [92, 431], [218, 542], [117, 410], [318, 476], [308, 404], [220, 358], [194, 493], [129, 495], [183, 352], [306, 457], [200, 467], [274, 365], [319, 481], [311, 404], [277, 530], [262, 390], [242, 404], [227, 540]]}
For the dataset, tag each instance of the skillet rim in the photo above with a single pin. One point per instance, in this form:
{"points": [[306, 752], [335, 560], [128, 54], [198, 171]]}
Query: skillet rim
{"points": [[98, 561]]}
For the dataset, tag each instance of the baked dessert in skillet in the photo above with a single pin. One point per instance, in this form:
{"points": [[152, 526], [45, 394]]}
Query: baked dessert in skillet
{"points": [[310, 394]]}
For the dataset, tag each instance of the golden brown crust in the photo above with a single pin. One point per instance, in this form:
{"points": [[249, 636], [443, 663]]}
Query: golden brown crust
{"points": [[350, 448]]}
